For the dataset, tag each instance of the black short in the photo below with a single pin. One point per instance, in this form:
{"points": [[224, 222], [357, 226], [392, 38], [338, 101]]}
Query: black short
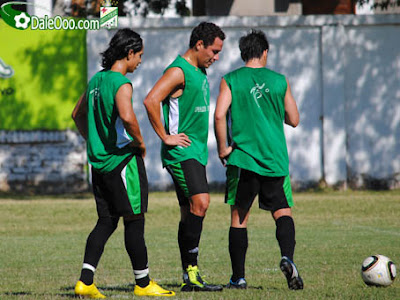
{"points": [[189, 178], [242, 186], [123, 191]]}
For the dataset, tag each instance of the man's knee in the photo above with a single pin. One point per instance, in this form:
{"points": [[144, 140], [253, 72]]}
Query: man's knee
{"points": [[199, 204], [109, 222], [239, 217], [131, 218], [281, 213]]}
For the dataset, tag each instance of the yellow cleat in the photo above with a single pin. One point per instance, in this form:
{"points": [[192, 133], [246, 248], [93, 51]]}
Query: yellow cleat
{"points": [[153, 289], [88, 291]]}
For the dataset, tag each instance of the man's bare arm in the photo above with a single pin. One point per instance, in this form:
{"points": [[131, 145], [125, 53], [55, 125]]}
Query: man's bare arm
{"points": [[79, 115], [123, 101], [292, 116], [170, 83], [220, 127]]}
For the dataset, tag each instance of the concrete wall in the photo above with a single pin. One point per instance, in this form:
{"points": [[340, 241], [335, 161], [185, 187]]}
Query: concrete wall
{"points": [[42, 162], [345, 76]]}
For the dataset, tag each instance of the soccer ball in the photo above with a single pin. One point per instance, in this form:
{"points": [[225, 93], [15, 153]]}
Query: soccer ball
{"points": [[378, 270]]}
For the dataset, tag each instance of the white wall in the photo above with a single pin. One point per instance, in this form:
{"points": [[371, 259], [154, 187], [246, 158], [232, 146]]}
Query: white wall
{"points": [[40, 8], [345, 69]]}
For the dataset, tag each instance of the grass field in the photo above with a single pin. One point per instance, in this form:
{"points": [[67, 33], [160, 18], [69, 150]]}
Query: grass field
{"points": [[42, 243]]}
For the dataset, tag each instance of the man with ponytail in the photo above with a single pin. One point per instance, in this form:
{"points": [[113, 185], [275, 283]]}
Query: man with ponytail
{"points": [[115, 148], [185, 96]]}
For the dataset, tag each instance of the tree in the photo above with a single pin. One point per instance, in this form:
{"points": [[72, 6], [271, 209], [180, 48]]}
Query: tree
{"points": [[382, 4], [83, 8]]}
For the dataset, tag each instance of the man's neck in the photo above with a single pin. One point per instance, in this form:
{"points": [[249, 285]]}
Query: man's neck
{"points": [[120, 67], [256, 63], [191, 58]]}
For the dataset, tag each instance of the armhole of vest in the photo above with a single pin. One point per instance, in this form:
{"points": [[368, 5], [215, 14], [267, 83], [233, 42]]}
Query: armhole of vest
{"points": [[227, 82], [121, 84], [184, 79], [179, 67], [286, 88], [286, 83]]}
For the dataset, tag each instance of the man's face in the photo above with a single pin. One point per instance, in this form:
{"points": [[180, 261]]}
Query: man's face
{"points": [[208, 55], [135, 60]]}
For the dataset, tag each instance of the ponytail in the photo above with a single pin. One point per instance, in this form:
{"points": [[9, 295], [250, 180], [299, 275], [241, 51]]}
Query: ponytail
{"points": [[120, 45]]}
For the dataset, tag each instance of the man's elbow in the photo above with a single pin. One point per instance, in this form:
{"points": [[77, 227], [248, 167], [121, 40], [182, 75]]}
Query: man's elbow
{"points": [[292, 119], [74, 115], [148, 102], [218, 117], [292, 122], [295, 122], [126, 119]]}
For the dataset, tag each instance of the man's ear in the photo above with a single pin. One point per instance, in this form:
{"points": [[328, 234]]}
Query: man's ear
{"points": [[130, 53], [199, 45]]}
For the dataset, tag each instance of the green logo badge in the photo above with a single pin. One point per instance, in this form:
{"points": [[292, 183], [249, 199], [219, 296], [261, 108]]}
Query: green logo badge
{"points": [[15, 18], [109, 17]]}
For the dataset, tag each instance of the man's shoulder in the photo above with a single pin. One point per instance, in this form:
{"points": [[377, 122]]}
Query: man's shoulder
{"points": [[97, 76], [116, 76], [275, 73], [236, 71], [177, 62], [109, 75], [175, 66], [116, 79], [108, 80]]}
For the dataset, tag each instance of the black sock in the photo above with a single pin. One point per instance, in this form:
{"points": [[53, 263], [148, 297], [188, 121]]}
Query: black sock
{"points": [[189, 238], [285, 234], [95, 246], [238, 243], [136, 247], [87, 276], [182, 244]]}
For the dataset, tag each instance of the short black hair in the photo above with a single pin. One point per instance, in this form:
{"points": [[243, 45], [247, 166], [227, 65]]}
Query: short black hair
{"points": [[253, 45], [206, 32], [124, 40]]}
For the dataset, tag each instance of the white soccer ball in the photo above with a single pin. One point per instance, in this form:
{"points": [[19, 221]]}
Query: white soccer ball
{"points": [[378, 270]]}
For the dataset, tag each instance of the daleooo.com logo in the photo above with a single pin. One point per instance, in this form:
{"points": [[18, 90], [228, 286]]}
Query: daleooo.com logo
{"points": [[58, 23], [22, 20]]}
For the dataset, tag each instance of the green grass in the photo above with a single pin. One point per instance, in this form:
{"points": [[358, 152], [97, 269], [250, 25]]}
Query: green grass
{"points": [[42, 243]]}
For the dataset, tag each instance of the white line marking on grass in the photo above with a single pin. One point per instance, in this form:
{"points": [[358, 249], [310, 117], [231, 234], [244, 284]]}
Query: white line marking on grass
{"points": [[370, 228], [271, 269], [378, 230]]}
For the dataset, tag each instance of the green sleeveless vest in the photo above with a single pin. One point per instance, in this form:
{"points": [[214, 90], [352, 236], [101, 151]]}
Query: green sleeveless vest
{"points": [[107, 139], [188, 114], [257, 114]]}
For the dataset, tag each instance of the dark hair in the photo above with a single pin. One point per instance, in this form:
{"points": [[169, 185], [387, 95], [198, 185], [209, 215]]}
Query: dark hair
{"points": [[119, 46], [253, 45], [206, 32]]}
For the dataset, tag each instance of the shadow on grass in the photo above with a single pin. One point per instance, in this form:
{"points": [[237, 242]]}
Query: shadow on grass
{"points": [[68, 296], [118, 288], [17, 294], [27, 196], [129, 287], [178, 286], [36, 296]]}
